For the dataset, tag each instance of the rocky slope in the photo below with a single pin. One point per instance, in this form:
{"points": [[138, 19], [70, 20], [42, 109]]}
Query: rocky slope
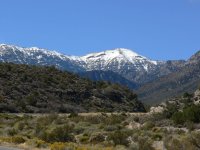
{"points": [[37, 56], [110, 76], [124, 62], [34, 89], [158, 80], [185, 79]]}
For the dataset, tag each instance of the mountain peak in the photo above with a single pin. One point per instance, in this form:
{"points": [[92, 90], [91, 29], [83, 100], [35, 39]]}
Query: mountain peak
{"points": [[195, 58], [118, 53], [117, 59], [124, 51]]}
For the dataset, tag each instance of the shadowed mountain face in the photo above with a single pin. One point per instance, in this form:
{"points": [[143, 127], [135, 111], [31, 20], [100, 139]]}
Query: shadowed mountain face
{"points": [[34, 89], [98, 75], [185, 79]]}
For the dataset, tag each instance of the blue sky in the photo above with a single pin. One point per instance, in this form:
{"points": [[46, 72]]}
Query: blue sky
{"points": [[158, 29]]}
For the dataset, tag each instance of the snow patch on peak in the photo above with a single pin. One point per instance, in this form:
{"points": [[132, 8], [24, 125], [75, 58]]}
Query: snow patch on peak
{"points": [[2, 44], [110, 54], [33, 48], [119, 57], [126, 52], [106, 60], [119, 54]]}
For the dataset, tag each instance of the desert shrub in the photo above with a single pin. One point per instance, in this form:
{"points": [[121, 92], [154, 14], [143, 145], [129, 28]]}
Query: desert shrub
{"points": [[170, 110], [17, 139], [136, 119], [114, 119], [112, 127], [190, 126], [120, 137], [59, 134], [194, 138], [20, 126], [39, 129], [178, 118], [78, 130], [12, 132], [73, 114], [157, 137], [133, 146], [84, 139], [94, 119], [77, 119], [37, 143], [192, 114], [189, 114], [187, 95], [58, 146], [125, 123], [148, 125], [97, 138], [144, 143], [47, 119], [177, 143]]}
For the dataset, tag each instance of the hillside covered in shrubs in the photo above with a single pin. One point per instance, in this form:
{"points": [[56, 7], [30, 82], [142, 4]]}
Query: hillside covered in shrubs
{"points": [[32, 89]]}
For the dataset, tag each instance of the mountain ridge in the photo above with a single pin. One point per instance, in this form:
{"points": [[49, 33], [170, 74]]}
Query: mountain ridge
{"points": [[122, 61], [126, 67]]}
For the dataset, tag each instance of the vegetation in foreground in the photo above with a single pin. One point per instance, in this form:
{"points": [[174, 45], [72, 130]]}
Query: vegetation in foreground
{"points": [[98, 131]]}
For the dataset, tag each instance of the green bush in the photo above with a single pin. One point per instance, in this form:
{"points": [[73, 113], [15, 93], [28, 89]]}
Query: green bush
{"points": [[58, 146], [17, 140], [194, 138], [114, 119], [178, 118], [189, 114], [144, 143], [181, 143], [12, 132], [192, 114], [97, 138], [60, 134], [84, 139], [120, 137], [73, 114], [112, 127], [148, 125]]}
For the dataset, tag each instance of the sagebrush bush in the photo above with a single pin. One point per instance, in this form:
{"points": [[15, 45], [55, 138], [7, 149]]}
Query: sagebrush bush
{"points": [[14, 139], [148, 125], [145, 143], [120, 137], [58, 146], [189, 114], [60, 134], [97, 138]]}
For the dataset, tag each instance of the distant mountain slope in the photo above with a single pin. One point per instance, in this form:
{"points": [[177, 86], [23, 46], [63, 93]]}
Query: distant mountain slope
{"points": [[158, 80], [46, 89], [98, 75], [126, 63], [185, 79], [122, 61], [37, 56]]}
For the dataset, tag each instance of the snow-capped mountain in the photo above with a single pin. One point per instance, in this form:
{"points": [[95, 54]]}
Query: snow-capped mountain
{"points": [[126, 63], [37, 56], [116, 60]]}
